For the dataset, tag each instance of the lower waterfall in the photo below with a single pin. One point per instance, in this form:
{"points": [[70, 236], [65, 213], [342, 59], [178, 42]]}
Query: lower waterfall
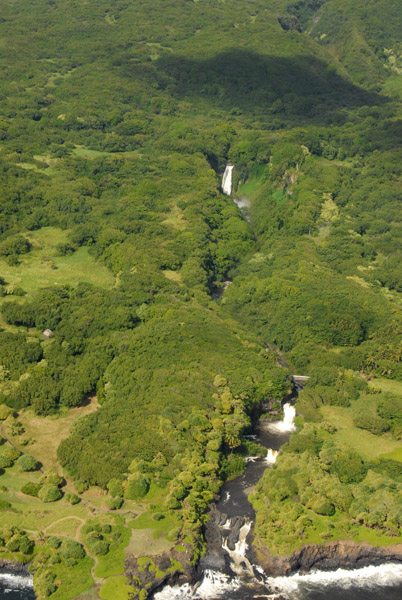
{"points": [[227, 571]]}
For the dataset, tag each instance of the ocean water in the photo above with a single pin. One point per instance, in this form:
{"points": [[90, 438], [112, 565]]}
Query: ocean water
{"points": [[16, 587], [381, 582]]}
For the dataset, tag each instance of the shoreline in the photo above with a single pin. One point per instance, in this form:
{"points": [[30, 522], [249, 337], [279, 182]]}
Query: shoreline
{"points": [[341, 554]]}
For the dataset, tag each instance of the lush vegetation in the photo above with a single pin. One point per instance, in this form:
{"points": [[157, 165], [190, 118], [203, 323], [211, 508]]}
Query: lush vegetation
{"points": [[116, 122]]}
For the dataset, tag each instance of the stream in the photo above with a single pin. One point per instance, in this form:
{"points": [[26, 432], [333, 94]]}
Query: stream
{"points": [[227, 571]]}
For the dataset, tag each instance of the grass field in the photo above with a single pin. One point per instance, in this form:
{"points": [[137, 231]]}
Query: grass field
{"points": [[116, 588], [394, 455], [43, 266], [387, 385], [48, 432], [369, 446]]}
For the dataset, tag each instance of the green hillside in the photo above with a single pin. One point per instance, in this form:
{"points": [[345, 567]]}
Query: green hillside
{"points": [[116, 122]]}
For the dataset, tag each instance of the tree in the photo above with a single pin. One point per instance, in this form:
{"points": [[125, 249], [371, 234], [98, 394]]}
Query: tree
{"points": [[26, 462]]}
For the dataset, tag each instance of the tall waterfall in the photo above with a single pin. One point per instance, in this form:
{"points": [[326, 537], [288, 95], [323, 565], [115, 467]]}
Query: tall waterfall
{"points": [[287, 424], [227, 180]]}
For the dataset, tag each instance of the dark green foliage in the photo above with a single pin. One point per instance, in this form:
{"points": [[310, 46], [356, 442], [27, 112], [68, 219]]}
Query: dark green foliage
{"points": [[31, 489], [120, 142], [72, 498], [348, 466], [49, 493], [26, 462], [16, 354], [5, 461], [51, 477], [137, 486], [72, 549]]}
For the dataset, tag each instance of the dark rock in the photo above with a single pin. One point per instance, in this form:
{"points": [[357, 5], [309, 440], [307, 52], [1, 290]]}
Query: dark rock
{"points": [[333, 555]]}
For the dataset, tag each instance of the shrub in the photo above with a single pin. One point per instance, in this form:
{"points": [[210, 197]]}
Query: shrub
{"points": [[20, 543], [4, 505], [115, 488], [26, 462], [54, 542], [11, 453], [5, 462], [49, 493], [137, 486], [5, 411], [51, 477], [31, 489], [72, 549], [72, 498], [114, 503], [98, 547], [81, 486]]}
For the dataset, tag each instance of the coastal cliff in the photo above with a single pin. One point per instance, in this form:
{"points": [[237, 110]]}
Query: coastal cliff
{"points": [[333, 555]]}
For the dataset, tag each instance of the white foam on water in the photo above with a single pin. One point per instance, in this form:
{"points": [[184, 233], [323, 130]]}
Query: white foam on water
{"points": [[271, 457], [251, 458], [16, 581], [287, 425], [227, 180], [213, 585], [366, 577]]}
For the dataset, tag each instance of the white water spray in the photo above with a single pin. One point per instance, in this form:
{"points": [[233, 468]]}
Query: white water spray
{"points": [[370, 577], [272, 455], [227, 180], [287, 425], [213, 585], [16, 581], [217, 585], [239, 562]]}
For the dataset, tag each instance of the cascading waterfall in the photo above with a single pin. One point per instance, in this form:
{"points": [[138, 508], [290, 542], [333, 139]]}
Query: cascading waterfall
{"points": [[246, 581], [287, 425], [271, 457], [227, 180]]}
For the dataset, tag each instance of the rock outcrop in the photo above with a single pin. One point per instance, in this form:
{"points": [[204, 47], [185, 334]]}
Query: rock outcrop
{"points": [[330, 556]]}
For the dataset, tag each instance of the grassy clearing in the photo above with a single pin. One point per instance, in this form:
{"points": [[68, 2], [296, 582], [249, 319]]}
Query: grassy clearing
{"points": [[394, 455], [176, 218], [67, 526], [84, 152], [387, 385], [116, 588], [112, 563], [142, 539], [369, 446], [250, 188], [43, 266], [48, 432], [73, 581]]}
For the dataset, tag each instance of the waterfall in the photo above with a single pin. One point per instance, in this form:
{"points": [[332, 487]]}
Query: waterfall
{"points": [[287, 424], [239, 563], [271, 457], [227, 180]]}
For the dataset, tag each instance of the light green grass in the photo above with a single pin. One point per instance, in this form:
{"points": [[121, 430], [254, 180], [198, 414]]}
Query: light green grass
{"points": [[394, 455], [84, 152], [393, 86], [250, 188], [368, 445], [116, 588], [74, 580], [387, 385], [112, 563], [67, 527], [43, 266]]}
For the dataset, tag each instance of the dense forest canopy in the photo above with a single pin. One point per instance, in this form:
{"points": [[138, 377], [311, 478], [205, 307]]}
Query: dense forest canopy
{"points": [[117, 119]]}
